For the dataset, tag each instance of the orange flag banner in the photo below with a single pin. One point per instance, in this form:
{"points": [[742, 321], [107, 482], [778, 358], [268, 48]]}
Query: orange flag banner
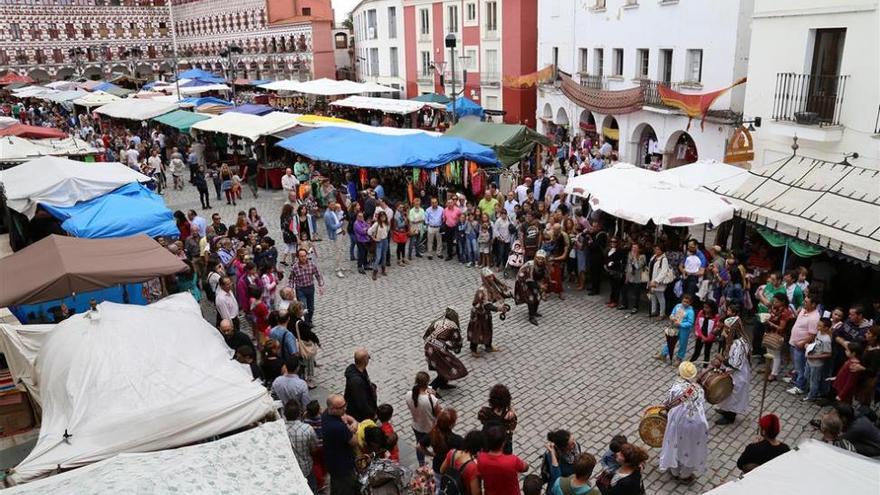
{"points": [[693, 105], [529, 80]]}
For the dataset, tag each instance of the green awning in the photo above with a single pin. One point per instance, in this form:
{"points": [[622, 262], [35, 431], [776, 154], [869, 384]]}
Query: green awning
{"points": [[510, 142], [117, 91], [432, 98], [181, 119], [797, 247]]}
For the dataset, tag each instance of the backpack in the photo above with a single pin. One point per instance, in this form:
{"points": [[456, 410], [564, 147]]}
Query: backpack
{"points": [[565, 486], [451, 482]]}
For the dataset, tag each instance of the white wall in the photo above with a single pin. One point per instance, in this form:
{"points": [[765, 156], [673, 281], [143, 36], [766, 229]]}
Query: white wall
{"points": [[382, 43], [781, 33]]}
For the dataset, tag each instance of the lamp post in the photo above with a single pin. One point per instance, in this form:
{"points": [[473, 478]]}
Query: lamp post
{"points": [[227, 53], [76, 54], [133, 54], [450, 43], [173, 45]]}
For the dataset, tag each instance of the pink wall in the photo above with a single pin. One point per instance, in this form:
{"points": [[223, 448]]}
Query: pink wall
{"points": [[520, 27], [323, 56], [409, 46], [284, 10], [438, 36]]}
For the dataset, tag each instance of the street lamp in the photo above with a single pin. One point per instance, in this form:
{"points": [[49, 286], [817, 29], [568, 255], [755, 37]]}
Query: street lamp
{"points": [[227, 54], [133, 54], [76, 54], [450, 43]]}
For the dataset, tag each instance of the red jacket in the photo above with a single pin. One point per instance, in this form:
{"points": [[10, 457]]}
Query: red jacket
{"points": [[845, 382], [714, 326]]}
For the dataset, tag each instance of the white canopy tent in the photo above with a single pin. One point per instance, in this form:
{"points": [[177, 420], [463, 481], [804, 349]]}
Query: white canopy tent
{"points": [[259, 460], [20, 344], [388, 131], [246, 125], [63, 96], [14, 149], [832, 205], [62, 85], [62, 182], [707, 173], [128, 379], [136, 109], [386, 105], [640, 195], [95, 99], [328, 87], [29, 91], [195, 90], [814, 467], [8, 121], [282, 85]]}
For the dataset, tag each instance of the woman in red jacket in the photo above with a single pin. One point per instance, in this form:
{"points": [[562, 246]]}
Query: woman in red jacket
{"points": [[847, 380], [706, 325]]}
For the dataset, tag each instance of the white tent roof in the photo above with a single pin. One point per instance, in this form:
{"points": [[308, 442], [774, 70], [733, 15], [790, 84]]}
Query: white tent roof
{"points": [[282, 85], [17, 149], [388, 131], [194, 90], [834, 206], [62, 182], [95, 99], [20, 344], [641, 195], [137, 379], [8, 121], [328, 87], [136, 108], [64, 95], [386, 105], [259, 460], [247, 125], [62, 85], [29, 91], [707, 173], [814, 467]]}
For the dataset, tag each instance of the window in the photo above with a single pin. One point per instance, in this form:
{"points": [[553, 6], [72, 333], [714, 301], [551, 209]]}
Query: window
{"points": [[371, 25], [694, 66], [470, 12], [491, 65], [632, 2], [307, 11], [617, 62], [374, 62], [57, 56], [665, 69], [70, 30], [824, 82], [39, 57], [340, 40], [392, 22], [4, 59], [642, 63], [87, 31], [452, 18], [53, 33], [599, 62], [470, 59], [393, 62], [426, 64], [491, 16], [424, 22], [15, 31], [491, 102], [600, 4], [583, 60]]}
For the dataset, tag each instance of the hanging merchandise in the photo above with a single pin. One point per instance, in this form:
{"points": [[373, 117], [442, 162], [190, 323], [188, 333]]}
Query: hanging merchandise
{"points": [[410, 192], [415, 175], [434, 175], [477, 184], [362, 176]]}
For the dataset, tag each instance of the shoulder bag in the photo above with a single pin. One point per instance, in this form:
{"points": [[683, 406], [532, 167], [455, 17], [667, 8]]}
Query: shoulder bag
{"points": [[307, 350]]}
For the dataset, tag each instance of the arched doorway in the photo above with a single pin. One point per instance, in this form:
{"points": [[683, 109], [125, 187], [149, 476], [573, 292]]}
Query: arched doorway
{"points": [[119, 69], [144, 71], [680, 150], [610, 133], [587, 125], [64, 74], [39, 75], [648, 152], [547, 118]]}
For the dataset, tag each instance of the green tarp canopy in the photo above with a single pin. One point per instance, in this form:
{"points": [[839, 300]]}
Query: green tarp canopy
{"points": [[797, 247], [510, 142], [117, 91], [181, 119], [432, 98]]}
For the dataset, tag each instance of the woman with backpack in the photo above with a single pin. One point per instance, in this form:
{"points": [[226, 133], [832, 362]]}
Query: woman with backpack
{"points": [[459, 474], [578, 483], [499, 413], [441, 439], [424, 406]]}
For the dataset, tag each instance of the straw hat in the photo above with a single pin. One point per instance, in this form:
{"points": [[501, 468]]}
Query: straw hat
{"points": [[486, 272], [541, 254], [687, 370]]}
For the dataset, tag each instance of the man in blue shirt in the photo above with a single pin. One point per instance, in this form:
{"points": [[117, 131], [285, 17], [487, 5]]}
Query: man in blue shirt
{"points": [[279, 333], [377, 188], [338, 430], [597, 163], [290, 386], [333, 221]]}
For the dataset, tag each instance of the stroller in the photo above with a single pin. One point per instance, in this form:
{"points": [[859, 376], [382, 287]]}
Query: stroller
{"points": [[516, 258]]}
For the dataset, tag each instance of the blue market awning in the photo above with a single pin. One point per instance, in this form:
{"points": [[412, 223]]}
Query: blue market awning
{"points": [[251, 109], [199, 101], [201, 75], [465, 108], [130, 210], [371, 150]]}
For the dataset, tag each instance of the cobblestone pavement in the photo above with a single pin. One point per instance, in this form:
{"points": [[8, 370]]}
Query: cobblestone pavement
{"points": [[586, 368]]}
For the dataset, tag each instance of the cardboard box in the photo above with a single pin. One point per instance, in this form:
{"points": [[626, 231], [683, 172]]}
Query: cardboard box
{"points": [[15, 413]]}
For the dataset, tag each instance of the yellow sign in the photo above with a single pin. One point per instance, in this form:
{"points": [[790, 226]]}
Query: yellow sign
{"points": [[740, 148]]}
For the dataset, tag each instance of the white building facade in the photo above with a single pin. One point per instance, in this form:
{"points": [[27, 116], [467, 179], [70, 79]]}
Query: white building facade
{"points": [[814, 73], [619, 51], [379, 43]]}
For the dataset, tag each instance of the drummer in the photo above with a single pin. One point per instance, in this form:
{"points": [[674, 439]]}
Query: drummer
{"points": [[735, 359], [685, 442]]}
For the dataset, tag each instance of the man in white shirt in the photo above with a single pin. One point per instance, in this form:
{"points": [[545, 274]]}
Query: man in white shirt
{"points": [[510, 204], [132, 156], [522, 190], [289, 182], [227, 305], [198, 222]]}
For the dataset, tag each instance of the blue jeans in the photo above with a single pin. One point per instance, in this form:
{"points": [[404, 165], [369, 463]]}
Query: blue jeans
{"points": [[306, 295], [352, 248], [472, 251], [684, 334], [799, 361], [414, 246], [420, 438], [816, 377], [462, 242], [381, 250]]}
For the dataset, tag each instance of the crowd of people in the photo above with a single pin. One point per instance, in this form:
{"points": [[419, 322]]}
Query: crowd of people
{"points": [[552, 244]]}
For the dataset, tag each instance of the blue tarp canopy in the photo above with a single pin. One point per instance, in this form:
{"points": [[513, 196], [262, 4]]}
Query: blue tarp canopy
{"points": [[199, 101], [372, 150], [130, 210], [465, 108], [201, 75], [251, 109], [257, 82]]}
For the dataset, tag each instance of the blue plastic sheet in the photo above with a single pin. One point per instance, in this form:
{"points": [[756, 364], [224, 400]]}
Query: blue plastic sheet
{"points": [[251, 109], [199, 101], [132, 209], [465, 107], [201, 75], [79, 303], [371, 150]]}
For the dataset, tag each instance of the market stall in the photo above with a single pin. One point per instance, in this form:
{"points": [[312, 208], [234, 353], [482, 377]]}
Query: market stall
{"points": [[173, 379], [95, 99], [464, 107], [32, 131], [385, 105], [251, 109], [14, 149], [136, 109], [13, 77], [511, 143], [181, 120]]}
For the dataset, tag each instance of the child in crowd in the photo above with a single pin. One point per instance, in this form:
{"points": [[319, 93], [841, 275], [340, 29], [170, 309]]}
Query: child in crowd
{"points": [[305, 243], [384, 412], [471, 230], [236, 187], [313, 419], [270, 285], [609, 458], [818, 360], [484, 241], [846, 380], [532, 485]]}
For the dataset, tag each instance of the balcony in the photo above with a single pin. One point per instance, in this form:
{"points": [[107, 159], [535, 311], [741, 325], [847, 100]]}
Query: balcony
{"points": [[593, 82], [808, 100], [425, 77], [490, 79]]}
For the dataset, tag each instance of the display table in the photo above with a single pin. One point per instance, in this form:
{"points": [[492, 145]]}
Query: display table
{"points": [[269, 176]]}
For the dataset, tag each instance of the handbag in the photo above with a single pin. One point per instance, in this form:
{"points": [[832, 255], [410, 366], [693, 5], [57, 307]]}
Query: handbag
{"points": [[399, 237], [307, 350], [644, 276], [772, 341], [670, 332]]}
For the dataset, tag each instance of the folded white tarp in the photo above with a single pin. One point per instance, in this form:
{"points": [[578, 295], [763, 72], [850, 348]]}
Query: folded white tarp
{"points": [[388, 131], [95, 99], [329, 87], [195, 90], [706, 173], [259, 460], [20, 344], [386, 105], [130, 379], [639, 195], [282, 85], [136, 108], [14, 149], [814, 467], [247, 125], [62, 182], [62, 85], [64, 95]]}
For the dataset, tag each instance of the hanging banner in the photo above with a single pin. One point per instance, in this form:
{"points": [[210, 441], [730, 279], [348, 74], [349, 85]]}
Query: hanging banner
{"points": [[741, 147], [530, 80], [693, 105]]}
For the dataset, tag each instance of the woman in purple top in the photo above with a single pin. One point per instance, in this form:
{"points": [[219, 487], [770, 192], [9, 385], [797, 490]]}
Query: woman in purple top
{"points": [[363, 241]]}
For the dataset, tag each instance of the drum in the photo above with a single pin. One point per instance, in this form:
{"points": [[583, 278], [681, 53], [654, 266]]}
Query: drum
{"points": [[717, 384], [652, 427]]}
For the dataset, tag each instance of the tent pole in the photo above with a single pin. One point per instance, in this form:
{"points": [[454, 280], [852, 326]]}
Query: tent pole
{"points": [[704, 234], [785, 257]]}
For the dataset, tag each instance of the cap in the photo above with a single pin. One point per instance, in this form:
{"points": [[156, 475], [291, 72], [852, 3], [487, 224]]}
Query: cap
{"points": [[687, 370], [541, 254]]}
